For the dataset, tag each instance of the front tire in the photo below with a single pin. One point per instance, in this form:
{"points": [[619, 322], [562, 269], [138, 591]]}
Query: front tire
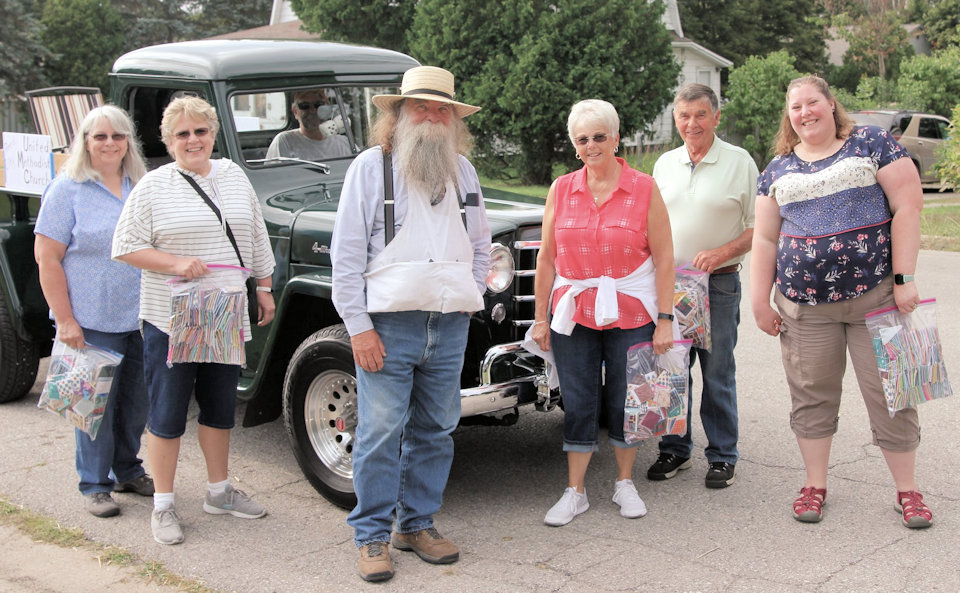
{"points": [[19, 359], [320, 412]]}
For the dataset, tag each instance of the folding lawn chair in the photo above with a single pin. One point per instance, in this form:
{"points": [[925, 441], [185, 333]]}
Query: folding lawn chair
{"points": [[58, 111]]}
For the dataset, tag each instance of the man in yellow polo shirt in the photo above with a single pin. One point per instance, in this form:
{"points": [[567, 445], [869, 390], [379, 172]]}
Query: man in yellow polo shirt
{"points": [[709, 188]]}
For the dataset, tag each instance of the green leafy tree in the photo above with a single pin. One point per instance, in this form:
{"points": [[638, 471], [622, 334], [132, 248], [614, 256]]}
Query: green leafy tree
{"points": [[948, 166], [931, 83], [216, 17], [941, 23], [757, 96], [156, 21], [383, 23], [527, 63], [22, 54], [738, 29], [86, 36]]}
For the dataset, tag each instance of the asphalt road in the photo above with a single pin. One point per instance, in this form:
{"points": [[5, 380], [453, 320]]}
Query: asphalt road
{"points": [[739, 539]]}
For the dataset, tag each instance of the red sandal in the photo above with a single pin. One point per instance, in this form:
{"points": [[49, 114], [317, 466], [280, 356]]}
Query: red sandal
{"points": [[916, 515], [808, 507]]}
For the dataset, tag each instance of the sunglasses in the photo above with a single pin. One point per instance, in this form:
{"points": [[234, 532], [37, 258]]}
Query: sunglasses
{"points": [[116, 137], [304, 105], [199, 133], [599, 139]]}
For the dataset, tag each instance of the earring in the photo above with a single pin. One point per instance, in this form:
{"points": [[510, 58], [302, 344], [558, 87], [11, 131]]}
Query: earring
{"points": [[616, 149], [578, 156]]}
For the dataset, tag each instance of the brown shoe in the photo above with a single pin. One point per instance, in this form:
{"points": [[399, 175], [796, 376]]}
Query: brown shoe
{"points": [[429, 545], [375, 562]]}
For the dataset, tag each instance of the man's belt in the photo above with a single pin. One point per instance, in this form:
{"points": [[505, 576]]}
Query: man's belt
{"points": [[728, 269]]}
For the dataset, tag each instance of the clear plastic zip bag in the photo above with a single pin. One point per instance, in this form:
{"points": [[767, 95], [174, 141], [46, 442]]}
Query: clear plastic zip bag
{"points": [[691, 304], [657, 389], [206, 317], [78, 384], [909, 355]]}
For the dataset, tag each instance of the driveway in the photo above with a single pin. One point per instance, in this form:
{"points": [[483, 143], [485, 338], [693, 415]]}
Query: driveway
{"points": [[739, 539]]}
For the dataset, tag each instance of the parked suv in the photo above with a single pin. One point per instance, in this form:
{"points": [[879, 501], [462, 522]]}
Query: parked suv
{"points": [[920, 134]]}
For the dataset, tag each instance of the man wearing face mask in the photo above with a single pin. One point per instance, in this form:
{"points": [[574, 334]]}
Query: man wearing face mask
{"points": [[308, 142]]}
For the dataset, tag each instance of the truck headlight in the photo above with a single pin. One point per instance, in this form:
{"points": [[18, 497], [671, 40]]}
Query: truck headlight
{"points": [[500, 274]]}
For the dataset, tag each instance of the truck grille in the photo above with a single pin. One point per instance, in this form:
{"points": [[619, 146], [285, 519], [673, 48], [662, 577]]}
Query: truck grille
{"points": [[526, 250]]}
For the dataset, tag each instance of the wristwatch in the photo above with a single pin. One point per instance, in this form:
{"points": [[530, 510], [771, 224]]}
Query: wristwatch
{"points": [[264, 289], [902, 278], [667, 316]]}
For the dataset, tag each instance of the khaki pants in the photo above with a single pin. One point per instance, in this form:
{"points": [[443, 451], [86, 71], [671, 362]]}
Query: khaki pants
{"points": [[814, 346]]}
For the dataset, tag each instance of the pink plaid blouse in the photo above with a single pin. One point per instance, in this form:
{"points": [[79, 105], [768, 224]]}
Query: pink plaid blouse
{"points": [[607, 241]]}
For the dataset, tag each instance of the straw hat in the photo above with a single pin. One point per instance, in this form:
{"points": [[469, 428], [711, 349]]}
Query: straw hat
{"points": [[428, 83]]}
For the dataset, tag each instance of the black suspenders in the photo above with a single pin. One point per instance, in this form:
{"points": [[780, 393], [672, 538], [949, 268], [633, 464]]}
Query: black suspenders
{"points": [[389, 222]]}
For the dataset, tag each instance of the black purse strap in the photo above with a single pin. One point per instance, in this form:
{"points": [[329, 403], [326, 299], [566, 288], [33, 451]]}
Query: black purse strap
{"points": [[216, 211]]}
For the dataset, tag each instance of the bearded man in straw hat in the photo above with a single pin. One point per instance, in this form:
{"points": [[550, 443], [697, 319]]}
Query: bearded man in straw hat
{"points": [[410, 258]]}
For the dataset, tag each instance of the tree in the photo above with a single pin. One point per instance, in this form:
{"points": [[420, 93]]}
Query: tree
{"points": [[738, 29], [156, 21], [216, 17], [22, 55], [931, 83], [878, 41], [383, 23], [948, 166], [941, 23], [86, 36], [757, 96], [527, 62]]}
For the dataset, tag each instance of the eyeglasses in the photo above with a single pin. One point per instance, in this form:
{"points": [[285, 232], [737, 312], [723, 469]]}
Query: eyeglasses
{"points": [[116, 137], [599, 139], [304, 105], [184, 134]]}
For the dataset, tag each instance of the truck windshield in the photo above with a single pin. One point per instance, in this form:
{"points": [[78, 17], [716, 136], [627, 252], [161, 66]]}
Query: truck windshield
{"points": [[320, 123]]}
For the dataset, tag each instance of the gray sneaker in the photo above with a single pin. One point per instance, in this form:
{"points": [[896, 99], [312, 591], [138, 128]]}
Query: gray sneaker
{"points": [[233, 502], [101, 504], [165, 525]]}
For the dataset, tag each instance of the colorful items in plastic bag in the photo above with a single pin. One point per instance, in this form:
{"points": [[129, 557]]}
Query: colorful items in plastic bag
{"points": [[78, 384], [691, 305], [909, 355], [657, 387], [206, 317]]}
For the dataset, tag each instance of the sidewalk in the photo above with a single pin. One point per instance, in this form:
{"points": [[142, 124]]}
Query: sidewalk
{"points": [[736, 540]]}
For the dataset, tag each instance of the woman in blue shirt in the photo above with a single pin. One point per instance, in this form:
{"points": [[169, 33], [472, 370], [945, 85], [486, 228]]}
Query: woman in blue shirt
{"points": [[95, 300]]}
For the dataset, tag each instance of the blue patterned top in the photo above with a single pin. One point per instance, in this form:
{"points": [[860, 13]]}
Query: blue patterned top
{"points": [[834, 241], [104, 294]]}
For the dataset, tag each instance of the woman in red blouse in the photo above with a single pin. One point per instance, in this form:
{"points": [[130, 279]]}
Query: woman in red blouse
{"points": [[605, 262]]}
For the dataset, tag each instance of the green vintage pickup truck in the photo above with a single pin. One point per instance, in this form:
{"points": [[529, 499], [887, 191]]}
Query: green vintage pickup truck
{"points": [[300, 366]]}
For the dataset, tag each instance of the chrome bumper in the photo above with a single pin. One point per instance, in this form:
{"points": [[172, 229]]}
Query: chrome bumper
{"points": [[523, 369]]}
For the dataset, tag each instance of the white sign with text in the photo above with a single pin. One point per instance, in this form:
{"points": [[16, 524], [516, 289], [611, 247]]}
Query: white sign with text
{"points": [[27, 161]]}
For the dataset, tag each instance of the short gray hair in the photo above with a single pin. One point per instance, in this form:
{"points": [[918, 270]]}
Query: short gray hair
{"points": [[191, 108], [593, 111], [79, 167], [694, 92]]}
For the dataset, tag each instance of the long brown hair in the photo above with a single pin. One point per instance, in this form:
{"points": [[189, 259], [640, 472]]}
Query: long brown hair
{"points": [[786, 138]]}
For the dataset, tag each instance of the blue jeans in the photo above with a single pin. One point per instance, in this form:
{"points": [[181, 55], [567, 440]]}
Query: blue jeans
{"points": [[406, 412], [718, 402], [592, 364], [112, 456]]}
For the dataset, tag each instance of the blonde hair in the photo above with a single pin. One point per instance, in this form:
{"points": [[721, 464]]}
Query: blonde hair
{"points": [[593, 110], [80, 168], [787, 138], [191, 108]]}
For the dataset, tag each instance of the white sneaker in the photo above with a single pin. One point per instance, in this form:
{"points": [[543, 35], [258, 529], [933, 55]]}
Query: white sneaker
{"points": [[631, 505], [571, 504]]}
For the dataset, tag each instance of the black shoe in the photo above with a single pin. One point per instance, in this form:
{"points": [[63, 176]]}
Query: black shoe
{"points": [[666, 466], [720, 474]]}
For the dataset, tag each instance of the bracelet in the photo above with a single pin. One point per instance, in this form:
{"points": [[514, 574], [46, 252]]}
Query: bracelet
{"points": [[536, 323], [264, 289]]}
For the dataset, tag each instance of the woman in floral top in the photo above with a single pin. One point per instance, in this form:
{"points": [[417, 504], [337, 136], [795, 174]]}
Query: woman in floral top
{"points": [[837, 232]]}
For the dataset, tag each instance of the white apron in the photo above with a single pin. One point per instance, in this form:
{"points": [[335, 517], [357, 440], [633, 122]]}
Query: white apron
{"points": [[429, 264]]}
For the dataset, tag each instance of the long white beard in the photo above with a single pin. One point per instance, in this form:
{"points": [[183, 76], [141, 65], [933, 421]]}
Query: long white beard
{"points": [[426, 154]]}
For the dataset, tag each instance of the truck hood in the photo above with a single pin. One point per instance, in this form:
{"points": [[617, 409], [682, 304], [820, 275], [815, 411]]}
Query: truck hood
{"points": [[313, 225]]}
